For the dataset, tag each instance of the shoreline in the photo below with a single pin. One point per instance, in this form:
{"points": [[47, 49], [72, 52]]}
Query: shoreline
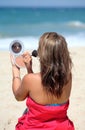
{"points": [[11, 110]]}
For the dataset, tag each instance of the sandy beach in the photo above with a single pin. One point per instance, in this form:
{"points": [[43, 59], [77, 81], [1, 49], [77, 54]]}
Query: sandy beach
{"points": [[10, 109]]}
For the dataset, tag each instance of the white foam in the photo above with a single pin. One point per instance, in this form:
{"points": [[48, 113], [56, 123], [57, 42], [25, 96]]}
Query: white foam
{"points": [[76, 24], [76, 40], [31, 43]]}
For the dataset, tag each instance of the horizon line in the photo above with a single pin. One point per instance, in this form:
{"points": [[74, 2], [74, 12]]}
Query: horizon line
{"points": [[11, 6]]}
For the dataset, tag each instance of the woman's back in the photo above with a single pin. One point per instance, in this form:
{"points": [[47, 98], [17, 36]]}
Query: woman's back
{"points": [[41, 96]]}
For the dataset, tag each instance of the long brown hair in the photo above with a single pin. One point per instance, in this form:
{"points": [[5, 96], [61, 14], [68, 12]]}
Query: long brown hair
{"points": [[55, 62]]}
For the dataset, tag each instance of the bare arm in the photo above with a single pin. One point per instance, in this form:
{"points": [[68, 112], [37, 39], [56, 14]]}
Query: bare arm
{"points": [[20, 87]]}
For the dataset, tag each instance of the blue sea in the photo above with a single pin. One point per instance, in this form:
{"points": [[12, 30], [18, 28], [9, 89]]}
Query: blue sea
{"points": [[28, 24]]}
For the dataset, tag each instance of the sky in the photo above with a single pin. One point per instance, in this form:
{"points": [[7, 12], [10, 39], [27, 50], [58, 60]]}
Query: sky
{"points": [[43, 3]]}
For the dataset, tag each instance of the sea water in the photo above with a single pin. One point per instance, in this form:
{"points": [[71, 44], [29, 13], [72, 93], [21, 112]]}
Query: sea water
{"points": [[28, 24]]}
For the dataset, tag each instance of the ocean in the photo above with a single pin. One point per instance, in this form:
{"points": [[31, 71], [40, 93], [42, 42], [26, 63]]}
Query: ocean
{"points": [[28, 24]]}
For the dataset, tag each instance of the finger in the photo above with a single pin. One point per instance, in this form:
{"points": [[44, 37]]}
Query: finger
{"points": [[26, 54], [12, 59], [27, 60]]}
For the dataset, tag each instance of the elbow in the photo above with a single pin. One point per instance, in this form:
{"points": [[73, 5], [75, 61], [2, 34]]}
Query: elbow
{"points": [[19, 98]]}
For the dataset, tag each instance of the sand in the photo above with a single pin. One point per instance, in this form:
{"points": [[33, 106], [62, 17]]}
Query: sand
{"points": [[10, 109]]}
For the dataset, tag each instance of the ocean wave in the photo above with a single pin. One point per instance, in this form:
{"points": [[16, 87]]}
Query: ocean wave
{"points": [[76, 40], [76, 24], [31, 43]]}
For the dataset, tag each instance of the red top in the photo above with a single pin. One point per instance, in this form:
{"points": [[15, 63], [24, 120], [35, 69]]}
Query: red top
{"points": [[42, 117]]}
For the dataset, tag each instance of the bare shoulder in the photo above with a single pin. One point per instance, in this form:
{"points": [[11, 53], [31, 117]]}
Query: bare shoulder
{"points": [[31, 76], [31, 79]]}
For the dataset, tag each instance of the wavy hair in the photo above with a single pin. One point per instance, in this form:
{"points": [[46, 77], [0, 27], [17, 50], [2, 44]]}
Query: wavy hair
{"points": [[55, 62]]}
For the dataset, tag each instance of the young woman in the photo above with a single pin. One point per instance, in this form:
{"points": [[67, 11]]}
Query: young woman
{"points": [[47, 93]]}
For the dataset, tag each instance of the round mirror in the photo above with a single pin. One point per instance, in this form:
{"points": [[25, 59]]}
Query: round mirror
{"points": [[16, 48]]}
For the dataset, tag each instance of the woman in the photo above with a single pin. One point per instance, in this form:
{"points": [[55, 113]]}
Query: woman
{"points": [[47, 92]]}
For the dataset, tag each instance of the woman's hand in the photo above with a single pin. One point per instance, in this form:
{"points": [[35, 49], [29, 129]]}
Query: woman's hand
{"points": [[15, 69], [27, 59]]}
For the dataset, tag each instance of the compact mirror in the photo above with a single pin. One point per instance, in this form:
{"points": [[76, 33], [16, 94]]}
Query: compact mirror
{"points": [[16, 48]]}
